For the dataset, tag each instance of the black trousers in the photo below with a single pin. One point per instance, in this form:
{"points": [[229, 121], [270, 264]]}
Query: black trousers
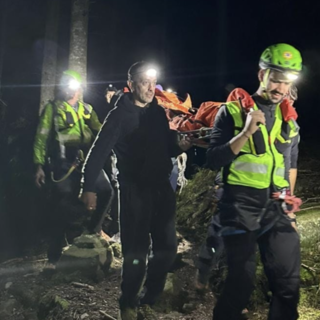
{"points": [[69, 216], [147, 212], [280, 255], [210, 251]]}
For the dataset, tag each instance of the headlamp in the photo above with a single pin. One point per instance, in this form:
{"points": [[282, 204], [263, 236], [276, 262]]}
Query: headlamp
{"points": [[169, 90], [291, 76], [151, 72], [74, 84]]}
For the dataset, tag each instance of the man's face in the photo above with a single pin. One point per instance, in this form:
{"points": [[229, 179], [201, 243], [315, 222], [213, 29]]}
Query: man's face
{"points": [[109, 95], [77, 94], [277, 86], [71, 94], [143, 88]]}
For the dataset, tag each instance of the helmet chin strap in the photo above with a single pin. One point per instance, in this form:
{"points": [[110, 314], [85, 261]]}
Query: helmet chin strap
{"points": [[263, 84]]}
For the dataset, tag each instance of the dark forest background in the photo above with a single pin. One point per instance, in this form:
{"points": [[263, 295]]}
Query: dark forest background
{"points": [[202, 47]]}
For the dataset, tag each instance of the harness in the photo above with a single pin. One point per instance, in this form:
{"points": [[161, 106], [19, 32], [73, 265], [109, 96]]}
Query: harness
{"points": [[71, 121], [77, 162]]}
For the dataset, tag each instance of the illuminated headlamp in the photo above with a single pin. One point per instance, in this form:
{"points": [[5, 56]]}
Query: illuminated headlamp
{"points": [[151, 72], [74, 84], [169, 90], [291, 76], [140, 68]]}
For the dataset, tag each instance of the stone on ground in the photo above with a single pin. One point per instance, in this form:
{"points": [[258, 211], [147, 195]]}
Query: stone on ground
{"points": [[90, 254]]}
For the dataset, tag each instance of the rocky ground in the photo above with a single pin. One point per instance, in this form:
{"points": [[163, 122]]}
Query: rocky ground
{"points": [[29, 293]]}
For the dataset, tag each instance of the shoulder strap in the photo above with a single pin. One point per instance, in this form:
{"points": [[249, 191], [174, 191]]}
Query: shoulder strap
{"points": [[87, 108], [61, 147]]}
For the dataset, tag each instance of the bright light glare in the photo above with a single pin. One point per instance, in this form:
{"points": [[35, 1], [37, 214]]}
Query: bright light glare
{"points": [[151, 72], [74, 84], [169, 90], [291, 76]]}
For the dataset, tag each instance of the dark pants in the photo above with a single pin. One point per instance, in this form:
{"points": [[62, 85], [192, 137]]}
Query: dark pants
{"points": [[210, 251], [280, 255], [69, 215], [146, 211]]}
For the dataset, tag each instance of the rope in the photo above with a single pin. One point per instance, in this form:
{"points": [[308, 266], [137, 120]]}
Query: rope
{"points": [[75, 164], [114, 169], [182, 164]]}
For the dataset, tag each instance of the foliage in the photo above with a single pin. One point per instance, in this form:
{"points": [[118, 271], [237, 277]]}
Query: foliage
{"points": [[196, 205], [197, 202]]}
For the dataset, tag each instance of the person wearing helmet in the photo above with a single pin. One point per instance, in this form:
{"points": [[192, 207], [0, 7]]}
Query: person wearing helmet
{"points": [[137, 130], [211, 251], [110, 91], [245, 143], [65, 133]]}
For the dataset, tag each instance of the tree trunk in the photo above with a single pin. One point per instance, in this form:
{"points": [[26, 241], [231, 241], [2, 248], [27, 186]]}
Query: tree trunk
{"points": [[79, 37], [2, 38], [4, 236], [49, 66]]}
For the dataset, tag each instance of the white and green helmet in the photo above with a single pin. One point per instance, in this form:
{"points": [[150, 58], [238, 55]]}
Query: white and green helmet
{"points": [[71, 80]]}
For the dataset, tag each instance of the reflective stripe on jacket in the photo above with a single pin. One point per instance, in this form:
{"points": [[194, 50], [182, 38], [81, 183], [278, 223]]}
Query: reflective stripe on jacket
{"points": [[70, 128], [253, 170]]}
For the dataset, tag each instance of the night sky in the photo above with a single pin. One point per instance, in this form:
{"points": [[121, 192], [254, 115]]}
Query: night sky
{"points": [[202, 47]]}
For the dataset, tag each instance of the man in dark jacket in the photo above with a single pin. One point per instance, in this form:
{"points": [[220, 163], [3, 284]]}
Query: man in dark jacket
{"points": [[137, 131]]}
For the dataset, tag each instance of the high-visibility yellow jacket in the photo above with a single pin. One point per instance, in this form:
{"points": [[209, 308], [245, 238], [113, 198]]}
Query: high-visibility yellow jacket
{"points": [[257, 170], [60, 123]]}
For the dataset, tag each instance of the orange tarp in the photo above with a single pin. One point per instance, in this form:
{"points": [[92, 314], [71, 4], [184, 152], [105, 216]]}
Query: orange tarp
{"points": [[169, 100]]}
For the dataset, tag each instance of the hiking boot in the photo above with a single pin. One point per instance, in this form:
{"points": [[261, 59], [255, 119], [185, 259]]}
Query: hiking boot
{"points": [[201, 282], [128, 314], [146, 313]]}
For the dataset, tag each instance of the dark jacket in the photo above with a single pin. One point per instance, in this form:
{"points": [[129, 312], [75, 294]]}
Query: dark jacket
{"points": [[141, 140]]}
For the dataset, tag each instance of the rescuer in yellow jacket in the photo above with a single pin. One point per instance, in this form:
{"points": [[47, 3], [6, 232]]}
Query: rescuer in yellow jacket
{"points": [[65, 133], [244, 144]]}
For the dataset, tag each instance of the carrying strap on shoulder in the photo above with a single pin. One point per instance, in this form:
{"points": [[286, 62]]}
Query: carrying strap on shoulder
{"points": [[55, 125]]}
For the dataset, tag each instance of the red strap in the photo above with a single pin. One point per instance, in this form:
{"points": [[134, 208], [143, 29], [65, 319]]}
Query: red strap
{"points": [[293, 201], [288, 111], [244, 96]]}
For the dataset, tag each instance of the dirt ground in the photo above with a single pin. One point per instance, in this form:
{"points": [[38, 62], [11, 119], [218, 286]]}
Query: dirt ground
{"points": [[29, 293], [24, 285]]}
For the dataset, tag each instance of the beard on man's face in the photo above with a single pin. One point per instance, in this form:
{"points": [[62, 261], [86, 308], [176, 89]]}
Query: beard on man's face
{"points": [[275, 96]]}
